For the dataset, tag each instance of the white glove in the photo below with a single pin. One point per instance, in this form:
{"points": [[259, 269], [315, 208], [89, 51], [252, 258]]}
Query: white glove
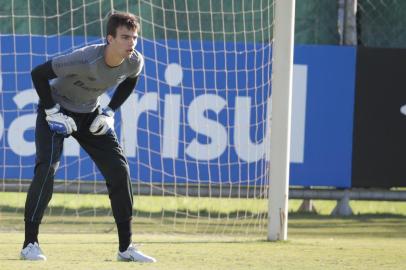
{"points": [[103, 123], [59, 122]]}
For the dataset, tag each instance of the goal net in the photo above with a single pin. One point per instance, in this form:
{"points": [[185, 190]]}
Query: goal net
{"points": [[195, 130]]}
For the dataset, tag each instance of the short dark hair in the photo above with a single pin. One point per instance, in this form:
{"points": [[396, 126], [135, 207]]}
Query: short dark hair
{"points": [[118, 19]]}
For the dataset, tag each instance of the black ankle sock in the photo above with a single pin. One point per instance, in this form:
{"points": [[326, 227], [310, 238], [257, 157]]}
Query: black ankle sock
{"points": [[124, 235], [31, 233]]}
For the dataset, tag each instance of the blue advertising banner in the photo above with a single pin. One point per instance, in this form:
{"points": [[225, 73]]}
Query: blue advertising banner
{"points": [[328, 120], [198, 113]]}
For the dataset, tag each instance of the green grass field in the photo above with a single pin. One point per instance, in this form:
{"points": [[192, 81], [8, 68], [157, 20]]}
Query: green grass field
{"points": [[79, 233]]}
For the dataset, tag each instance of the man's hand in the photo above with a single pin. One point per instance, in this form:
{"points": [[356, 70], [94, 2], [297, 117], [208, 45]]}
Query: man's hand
{"points": [[59, 122], [103, 123]]}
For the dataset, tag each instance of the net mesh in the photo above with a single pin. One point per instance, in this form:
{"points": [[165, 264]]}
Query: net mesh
{"points": [[194, 130], [381, 23]]}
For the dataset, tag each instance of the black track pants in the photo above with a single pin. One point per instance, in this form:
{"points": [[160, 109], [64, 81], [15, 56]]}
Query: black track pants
{"points": [[105, 151]]}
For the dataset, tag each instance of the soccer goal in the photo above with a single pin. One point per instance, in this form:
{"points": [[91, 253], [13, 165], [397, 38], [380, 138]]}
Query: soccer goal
{"points": [[196, 130]]}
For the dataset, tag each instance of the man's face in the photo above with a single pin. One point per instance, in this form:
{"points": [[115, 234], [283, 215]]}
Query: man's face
{"points": [[124, 42]]}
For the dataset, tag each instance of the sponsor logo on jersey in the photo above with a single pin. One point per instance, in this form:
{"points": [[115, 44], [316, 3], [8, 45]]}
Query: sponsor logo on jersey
{"points": [[82, 85]]}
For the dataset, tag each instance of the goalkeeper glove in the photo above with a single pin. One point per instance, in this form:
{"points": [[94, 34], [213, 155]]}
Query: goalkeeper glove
{"points": [[59, 122], [103, 123]]}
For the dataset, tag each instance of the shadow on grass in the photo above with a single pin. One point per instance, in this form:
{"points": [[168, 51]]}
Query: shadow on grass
{"points": [[91, 212], [246, 223], [301, 215]]}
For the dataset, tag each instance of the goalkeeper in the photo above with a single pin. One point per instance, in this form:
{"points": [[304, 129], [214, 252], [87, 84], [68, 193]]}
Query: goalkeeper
{"points": [[69, 106]]}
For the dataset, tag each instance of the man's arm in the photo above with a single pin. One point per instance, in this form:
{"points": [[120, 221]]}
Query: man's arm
{"points": [[40, 77], [57, 121], [122, 92]]}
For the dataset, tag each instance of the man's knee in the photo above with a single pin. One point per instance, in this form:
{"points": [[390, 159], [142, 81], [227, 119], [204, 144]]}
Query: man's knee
{"points": [[46, 168], [118, 175]]}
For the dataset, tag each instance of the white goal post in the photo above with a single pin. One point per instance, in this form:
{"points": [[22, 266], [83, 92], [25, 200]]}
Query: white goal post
{"points": [[282, 70]]}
